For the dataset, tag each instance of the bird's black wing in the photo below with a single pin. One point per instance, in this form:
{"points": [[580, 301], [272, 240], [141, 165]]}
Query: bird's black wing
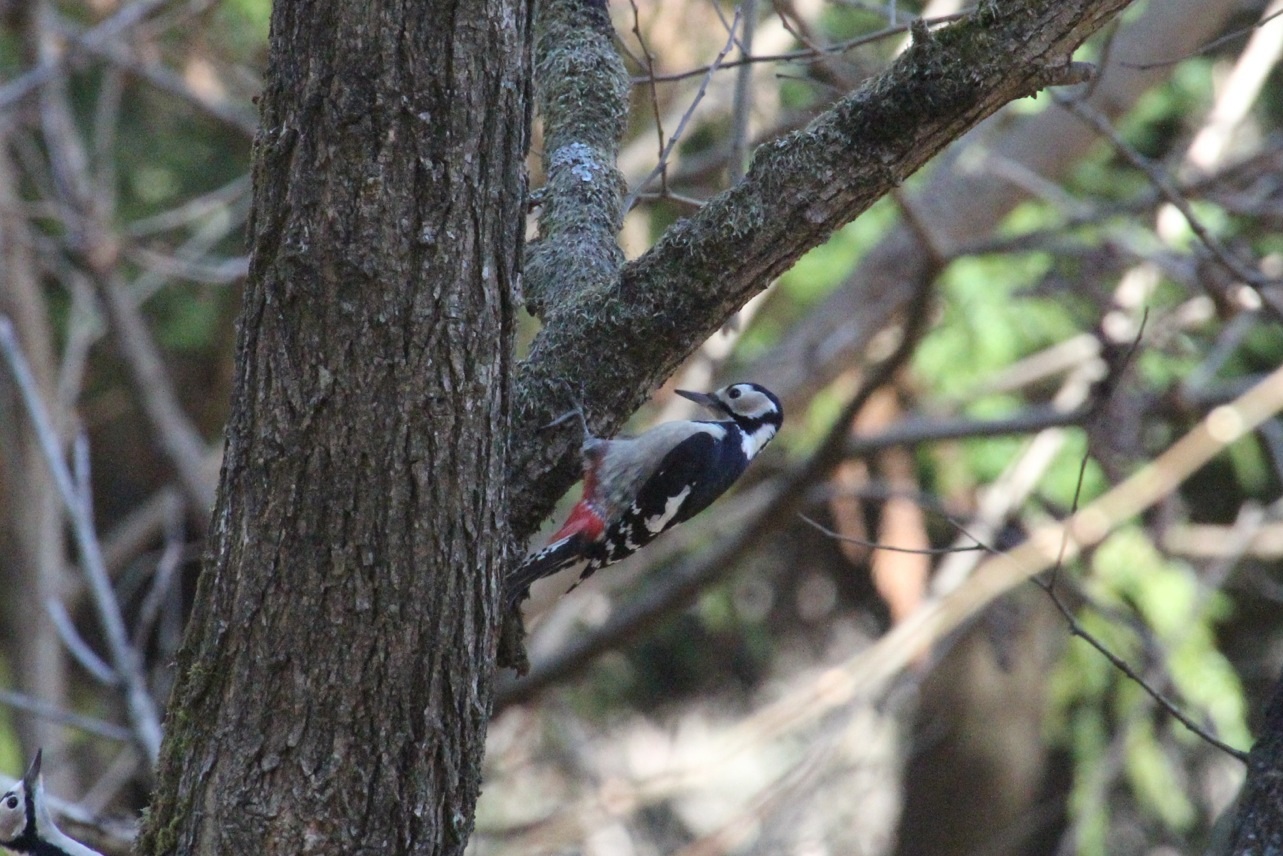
{"points": [[694, 473]]}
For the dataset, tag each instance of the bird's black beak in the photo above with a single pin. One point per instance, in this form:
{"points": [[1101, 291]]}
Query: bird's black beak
{"points": [[701, 398], [33, 772]]}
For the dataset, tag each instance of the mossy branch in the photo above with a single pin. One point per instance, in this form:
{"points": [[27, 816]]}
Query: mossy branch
{"points": [[582, 90], [799, 190]]}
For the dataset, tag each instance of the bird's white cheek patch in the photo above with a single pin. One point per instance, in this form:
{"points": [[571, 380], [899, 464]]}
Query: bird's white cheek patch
{"points": [[11, 824], [751, 444], [656, 523]]}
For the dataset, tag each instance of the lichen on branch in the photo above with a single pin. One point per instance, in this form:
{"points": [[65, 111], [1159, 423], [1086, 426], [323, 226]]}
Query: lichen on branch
{"points": [[582, 89]]}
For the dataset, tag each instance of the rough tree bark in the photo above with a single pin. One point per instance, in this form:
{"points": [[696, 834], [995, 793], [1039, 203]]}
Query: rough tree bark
{"points": [[1257, 828], [334, 686]]}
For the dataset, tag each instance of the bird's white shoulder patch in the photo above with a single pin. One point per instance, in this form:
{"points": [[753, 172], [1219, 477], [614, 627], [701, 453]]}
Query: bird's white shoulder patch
{"points": [[656, 523]]}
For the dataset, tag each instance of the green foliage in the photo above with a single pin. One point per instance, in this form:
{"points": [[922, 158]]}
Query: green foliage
{"points": [[186, 320], [242, 26], [11, 761], [1261, 351], [814, 276], [1159, 119], [1088, 801], [1151, 772], [10, 54], [173, 156], [1157, 616], [983, 326], [1067, 478]]}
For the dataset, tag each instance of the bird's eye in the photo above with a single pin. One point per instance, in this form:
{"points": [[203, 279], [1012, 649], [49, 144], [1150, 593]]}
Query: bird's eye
{"points": [[735, 392], [11, 801]]}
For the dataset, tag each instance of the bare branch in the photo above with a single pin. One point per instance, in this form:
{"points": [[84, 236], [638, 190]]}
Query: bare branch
{"points": [[71, 719], [236, 190], [129, 15], [582, 91], [163, 580], [1207, 48], [743, 101], [78, 647], [876, 666], [1076, 629], [648, 60], [1167, 188], [873, 545], [661, 168], [183, 446], [963, 206], [138, 702], [816, 53]]}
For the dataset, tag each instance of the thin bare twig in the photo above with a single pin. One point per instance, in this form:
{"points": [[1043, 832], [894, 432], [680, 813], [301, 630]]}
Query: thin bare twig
{"points": [[934, 551], [872, 669], [137, 529], [192, 209], [1210, 46], [55, 714], [1076, 629], [185, 449], [79, 649], [166, 80], [143, 715], [670, 196], [742, 104], [631, 199], [164, 578], [1164, 184], [811, 54], [129, 15], [96, 250], [222, 270], [649, 60], [916, 430]]}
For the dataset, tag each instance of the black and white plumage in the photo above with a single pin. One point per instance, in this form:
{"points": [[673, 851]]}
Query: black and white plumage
{"points": [[637, 487], [26, 826]]}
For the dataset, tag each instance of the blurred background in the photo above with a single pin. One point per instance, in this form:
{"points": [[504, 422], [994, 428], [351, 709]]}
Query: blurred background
{"points": [[1093, 271]]}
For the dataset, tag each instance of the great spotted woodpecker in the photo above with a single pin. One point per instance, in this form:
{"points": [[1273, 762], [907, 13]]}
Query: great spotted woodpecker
{"points": [[26, 826], [637, 487]]}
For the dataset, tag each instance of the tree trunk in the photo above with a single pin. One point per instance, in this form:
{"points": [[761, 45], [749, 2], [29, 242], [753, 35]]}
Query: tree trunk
{"points": [[1258, 822], [335, 684]]}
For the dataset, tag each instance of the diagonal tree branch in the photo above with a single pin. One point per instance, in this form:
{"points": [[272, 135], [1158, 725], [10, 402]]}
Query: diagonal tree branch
{"points": [[798, 191], [962, 205]]}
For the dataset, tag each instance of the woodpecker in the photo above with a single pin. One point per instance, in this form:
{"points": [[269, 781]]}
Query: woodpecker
{"points": [[637, 487], [26, 826]]}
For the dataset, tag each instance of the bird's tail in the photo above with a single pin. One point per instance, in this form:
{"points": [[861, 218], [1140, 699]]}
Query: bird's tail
{"points": [[557, 556]]}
